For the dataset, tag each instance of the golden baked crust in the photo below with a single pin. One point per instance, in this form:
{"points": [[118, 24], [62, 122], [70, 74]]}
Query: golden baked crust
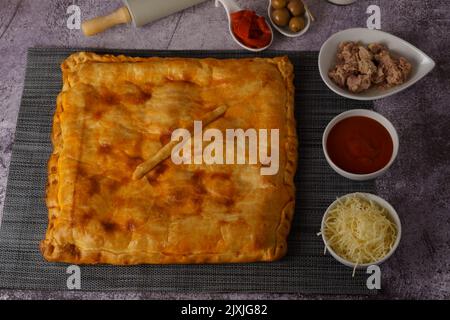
{"points": [[116, 111]]}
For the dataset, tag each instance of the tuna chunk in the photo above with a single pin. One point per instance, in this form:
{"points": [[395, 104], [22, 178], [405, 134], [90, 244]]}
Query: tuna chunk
{"points": [[367, 67], [396, 70], [405, 66], [375, 48], [379, 77], [358, 83], [364, 54]]}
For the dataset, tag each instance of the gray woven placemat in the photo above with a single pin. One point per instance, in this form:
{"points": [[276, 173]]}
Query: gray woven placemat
{"points": [[305, 269]]}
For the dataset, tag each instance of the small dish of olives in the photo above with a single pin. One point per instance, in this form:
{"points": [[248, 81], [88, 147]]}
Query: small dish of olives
{"points": [[289, 17]]}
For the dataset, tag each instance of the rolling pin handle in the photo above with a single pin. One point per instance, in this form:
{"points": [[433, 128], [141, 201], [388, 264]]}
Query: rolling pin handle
{"points": [[100, 24]]}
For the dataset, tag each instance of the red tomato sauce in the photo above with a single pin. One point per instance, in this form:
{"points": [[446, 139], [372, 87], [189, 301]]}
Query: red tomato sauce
{"points": [[250, 29], [359, 145]]}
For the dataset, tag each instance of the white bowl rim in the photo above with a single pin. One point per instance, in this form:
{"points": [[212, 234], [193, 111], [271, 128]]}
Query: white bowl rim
{"points": [[381, 202], [354, 96], [286, 33], [361, 113]]}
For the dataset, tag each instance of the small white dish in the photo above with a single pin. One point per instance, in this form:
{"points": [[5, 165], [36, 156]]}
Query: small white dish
{"points": [[421, 63], [361, 113], [230, 7], [392, 215], [285, 30]]}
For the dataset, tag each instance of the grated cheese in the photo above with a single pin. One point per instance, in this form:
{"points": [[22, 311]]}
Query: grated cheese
{"points": [[359, 230]]}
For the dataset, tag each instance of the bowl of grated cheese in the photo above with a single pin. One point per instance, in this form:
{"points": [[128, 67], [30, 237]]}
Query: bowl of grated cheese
{"points": [[360, 229]]}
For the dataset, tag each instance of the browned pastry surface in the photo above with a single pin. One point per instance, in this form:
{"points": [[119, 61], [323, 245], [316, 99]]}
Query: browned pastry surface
{"points": [[115, 111]]}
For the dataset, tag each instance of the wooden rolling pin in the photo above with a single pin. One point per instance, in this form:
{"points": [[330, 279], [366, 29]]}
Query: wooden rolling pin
{"points": [[139, 12]]}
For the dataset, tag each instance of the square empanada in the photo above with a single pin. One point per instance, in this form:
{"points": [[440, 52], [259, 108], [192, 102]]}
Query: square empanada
{"points": [[114, 112]]}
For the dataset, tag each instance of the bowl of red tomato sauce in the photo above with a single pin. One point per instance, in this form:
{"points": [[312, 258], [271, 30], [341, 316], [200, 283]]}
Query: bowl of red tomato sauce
{"points": [[360, 144]]}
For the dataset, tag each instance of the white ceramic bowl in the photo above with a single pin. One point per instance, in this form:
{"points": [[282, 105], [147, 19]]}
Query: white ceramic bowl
{"points": [[361, 113], [421, 63], [285, 30], [392, 215]]}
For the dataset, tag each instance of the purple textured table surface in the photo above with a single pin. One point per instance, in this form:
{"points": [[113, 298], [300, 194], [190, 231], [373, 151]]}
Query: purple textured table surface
{"points": [[418, 184]]}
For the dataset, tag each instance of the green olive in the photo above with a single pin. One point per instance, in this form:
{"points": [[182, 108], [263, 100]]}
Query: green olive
{"points": [[281, 17], [279, 4], [296, 7], [296, 24]]}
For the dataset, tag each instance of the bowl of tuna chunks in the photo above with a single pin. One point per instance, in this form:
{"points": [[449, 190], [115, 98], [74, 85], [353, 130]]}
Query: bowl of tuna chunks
{"points": [[374, 70]]}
